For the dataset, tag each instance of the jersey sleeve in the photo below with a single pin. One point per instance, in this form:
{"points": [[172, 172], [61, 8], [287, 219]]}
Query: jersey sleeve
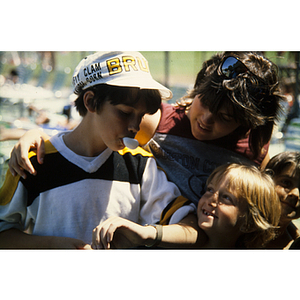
{"points": [[156, 193], [13, 207], [176, 210]]}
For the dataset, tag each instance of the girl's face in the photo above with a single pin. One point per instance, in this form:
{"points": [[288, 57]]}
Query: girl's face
{"points": [[208, 126], [220, 212], [287, 187], [114, 122]]}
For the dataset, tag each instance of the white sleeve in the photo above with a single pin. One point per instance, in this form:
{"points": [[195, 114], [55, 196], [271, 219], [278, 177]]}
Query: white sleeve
{"points": [[182, 212], [13, 214], [156, 193]]}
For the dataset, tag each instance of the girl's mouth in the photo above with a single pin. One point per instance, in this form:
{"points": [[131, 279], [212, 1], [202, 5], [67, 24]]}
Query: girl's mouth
{"points": [[209, 214], [203, 127]]}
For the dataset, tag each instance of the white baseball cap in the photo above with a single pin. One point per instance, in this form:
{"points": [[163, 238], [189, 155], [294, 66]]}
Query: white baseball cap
{"points": [[120, 68]]}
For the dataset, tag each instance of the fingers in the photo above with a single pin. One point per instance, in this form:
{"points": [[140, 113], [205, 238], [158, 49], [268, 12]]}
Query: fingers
{"points": [[17, 164], [96, 241], [99, 240], [40, 150], [19, 161], [15, 169], [103, 234]]}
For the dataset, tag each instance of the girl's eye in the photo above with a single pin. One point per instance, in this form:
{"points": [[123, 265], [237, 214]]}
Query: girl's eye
{"points": [[225, 117], [210, 190], [227, 199]]}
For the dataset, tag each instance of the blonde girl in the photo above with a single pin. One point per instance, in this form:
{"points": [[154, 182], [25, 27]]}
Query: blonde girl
{"points": [[240, 209]]}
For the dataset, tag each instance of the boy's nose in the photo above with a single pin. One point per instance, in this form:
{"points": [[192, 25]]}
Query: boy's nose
{"points": [[134, 126], [294, 193], [293, 197]]}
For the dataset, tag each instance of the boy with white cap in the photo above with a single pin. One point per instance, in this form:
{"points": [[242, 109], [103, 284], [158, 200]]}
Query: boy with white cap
{"points": [[88, 174]]}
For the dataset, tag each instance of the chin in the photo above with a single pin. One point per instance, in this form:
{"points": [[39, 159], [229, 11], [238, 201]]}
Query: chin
{"points": [[203, 225], [117, 147]]}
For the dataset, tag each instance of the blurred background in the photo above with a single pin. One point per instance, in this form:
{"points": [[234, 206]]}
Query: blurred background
{"points": [[36, 91]]}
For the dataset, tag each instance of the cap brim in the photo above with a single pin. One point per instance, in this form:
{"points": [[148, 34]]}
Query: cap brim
{"points": [[141, 83]]}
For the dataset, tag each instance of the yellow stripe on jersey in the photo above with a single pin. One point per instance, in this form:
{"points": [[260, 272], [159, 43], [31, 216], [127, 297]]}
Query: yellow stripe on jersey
{"points": [[136, 151], [170, 210], [8, 188], [11, 182]]}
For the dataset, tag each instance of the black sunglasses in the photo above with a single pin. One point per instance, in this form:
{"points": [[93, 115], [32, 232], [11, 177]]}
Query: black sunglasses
{"points": [[231, 67]]}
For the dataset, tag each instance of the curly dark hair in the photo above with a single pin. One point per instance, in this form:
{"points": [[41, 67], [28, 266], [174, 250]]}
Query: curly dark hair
{"points": [[253, 97]]}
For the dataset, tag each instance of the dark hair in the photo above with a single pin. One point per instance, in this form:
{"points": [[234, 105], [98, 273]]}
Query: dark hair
{"points": [[119, 95], [254, 98], [283, 160]]}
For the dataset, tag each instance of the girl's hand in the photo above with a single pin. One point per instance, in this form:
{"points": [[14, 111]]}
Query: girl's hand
{"points": [[117, 232], [19, 160]]}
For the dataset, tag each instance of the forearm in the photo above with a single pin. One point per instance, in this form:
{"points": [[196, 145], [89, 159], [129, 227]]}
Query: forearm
{"points": [[120, 233], [16, 239], [183, 235], [178, 236]]}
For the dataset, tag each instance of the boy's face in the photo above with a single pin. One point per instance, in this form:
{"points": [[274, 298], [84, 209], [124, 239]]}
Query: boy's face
{"points": [[287, 186], [114, 122], [220, 212], [208, 126]]}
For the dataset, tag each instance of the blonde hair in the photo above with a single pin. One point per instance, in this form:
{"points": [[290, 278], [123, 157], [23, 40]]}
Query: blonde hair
{"points": [[263, 206]]}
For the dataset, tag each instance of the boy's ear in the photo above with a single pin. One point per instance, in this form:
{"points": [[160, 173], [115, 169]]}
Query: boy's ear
{"points": [[88, 100]]}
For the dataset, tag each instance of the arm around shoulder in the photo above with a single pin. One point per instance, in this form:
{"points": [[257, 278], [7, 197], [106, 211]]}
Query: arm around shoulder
{"points": [[19, 160]]}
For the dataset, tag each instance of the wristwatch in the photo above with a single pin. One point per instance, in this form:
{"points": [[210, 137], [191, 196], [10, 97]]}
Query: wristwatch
{"points": [[158, 237]]}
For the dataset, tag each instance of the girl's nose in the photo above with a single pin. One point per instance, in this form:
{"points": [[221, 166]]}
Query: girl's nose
{"points": [[207, 117], [213, 200]]}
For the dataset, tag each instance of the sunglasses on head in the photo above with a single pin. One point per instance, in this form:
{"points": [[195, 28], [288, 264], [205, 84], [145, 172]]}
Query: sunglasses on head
{"points": [[231, 67]]}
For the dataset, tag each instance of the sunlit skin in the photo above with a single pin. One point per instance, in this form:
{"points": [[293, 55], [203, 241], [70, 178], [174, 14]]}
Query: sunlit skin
{"points": [[106, 128], [221, 213], [287, 185], [208, 126]]}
